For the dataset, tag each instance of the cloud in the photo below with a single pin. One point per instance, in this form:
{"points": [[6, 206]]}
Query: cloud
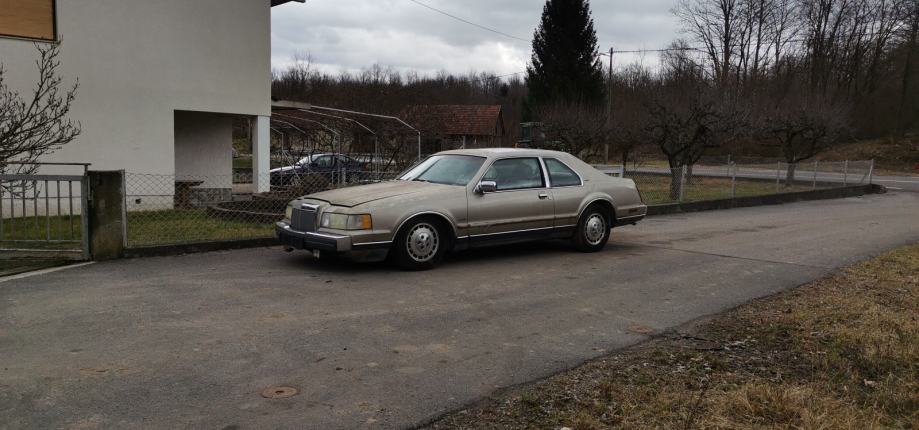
{"points": [[350, 35]]}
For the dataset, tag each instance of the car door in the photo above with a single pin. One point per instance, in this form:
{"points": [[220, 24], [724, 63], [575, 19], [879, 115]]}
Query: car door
{"points": [[323, 165], [350, 168], [567, 191], [521, 208]]}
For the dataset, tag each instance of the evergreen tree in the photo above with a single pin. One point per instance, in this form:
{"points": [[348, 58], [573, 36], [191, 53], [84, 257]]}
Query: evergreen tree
{"points": [[565, 68]]}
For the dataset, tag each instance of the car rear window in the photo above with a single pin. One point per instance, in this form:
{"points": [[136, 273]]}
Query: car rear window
{"points": [[561, 175]]}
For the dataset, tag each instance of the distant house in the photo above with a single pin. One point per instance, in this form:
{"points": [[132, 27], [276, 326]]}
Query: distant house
{"points": [[160, 81], [457, 126]]}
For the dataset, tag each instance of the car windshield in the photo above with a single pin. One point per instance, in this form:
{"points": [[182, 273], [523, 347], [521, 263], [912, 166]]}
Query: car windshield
{"points": [[445, 169]]}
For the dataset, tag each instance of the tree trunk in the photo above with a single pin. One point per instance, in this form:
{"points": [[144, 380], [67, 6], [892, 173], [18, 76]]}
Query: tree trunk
{"points": [[689, 174], [676, 183], [790, 174]]}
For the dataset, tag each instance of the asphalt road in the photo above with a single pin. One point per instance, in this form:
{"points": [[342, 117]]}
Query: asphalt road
{"points": [[191, 341], [896, 183]]}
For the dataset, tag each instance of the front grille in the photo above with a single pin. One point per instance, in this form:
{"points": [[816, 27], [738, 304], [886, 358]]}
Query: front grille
{"points": [[304, 219]]}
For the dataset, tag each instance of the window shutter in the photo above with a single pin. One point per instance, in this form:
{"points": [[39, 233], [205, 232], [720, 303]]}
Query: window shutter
{"points": [[32, 19]]}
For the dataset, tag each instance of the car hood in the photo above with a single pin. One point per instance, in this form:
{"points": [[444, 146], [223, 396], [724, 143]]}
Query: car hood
{"points": [[361, 194]]}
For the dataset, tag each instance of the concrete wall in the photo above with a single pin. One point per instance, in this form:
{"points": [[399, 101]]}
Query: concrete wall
{"points": [[139, 61]]}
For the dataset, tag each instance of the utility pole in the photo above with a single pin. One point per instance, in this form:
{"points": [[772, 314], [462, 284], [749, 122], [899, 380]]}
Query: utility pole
{"points": [[609, 102], [609, 94]]}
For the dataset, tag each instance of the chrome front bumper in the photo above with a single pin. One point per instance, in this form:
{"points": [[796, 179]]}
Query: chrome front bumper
{"points": [[311, 240], [323, 241]]}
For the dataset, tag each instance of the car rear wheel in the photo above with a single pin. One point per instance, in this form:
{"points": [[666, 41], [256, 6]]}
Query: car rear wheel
{"points": [[593, 230], [421, 244]]}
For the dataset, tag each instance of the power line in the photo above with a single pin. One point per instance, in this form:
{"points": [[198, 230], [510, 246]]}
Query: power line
{"points": [[470, 22], [509, 74], [489, 78]]}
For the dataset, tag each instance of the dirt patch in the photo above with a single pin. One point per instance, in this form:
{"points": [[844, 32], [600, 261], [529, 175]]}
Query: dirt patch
{"points": [[839, 353]]}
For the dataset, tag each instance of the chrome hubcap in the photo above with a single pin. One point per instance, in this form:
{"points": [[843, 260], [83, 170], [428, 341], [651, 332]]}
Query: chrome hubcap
{"points": [[594, 229], [422, 242]]}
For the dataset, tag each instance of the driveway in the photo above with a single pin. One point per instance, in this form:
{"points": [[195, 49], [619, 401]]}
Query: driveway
{"points": [[191, 341]]}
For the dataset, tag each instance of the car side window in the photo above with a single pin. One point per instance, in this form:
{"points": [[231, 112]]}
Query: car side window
{"points": [[561, 175], [515, 174], [324, 161]]}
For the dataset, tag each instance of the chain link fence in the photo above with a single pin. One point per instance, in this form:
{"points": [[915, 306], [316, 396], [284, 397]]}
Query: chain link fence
{"points": [[713, 179], [166, 209]]}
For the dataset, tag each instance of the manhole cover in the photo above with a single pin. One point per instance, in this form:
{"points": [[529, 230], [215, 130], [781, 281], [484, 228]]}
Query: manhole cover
{"points": [[279, 392], [640, 329]]}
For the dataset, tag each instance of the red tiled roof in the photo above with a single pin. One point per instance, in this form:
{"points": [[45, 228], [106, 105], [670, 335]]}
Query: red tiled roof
{"points": [[456, 120]]}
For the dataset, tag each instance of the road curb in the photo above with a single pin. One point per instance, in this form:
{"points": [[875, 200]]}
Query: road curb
{"points": [[198, 247], [765, 200]]}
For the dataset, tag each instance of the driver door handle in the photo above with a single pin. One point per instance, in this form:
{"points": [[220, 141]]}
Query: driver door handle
{"points": [[543, 196]]}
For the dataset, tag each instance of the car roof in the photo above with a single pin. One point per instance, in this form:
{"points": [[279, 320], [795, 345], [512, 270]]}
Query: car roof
{"points": [[505, 152], [316, 155]]}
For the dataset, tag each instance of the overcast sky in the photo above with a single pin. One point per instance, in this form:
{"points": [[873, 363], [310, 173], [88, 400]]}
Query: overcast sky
{"points": [[349, 35]]}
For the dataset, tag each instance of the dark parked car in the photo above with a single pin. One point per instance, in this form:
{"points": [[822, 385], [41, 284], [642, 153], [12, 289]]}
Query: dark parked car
{"points": [[329, 166]]}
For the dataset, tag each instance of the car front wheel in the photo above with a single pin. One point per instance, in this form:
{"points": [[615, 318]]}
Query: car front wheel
{"points": [[420, 245], [593, 230]]}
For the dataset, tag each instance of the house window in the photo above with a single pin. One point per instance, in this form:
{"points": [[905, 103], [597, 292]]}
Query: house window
{"points": [[30, 19]]}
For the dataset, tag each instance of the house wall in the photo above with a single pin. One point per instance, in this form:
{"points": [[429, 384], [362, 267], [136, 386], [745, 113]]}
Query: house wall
{"points": [[203, 148], [139, 61]]}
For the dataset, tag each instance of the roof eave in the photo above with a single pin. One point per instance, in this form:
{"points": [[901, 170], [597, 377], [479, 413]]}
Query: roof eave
{"points": [[280, 2]]}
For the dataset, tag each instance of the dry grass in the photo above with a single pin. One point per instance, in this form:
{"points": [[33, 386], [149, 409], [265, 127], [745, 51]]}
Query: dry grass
{"points": [[839, 353], [655, 189], [892, 156]]}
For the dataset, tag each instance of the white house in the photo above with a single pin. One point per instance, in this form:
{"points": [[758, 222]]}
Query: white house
{"points": [[159, 80]]}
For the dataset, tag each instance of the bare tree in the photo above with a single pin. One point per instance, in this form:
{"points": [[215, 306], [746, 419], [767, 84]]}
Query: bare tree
{"points": [[576, 128], [627, 132], [911, 17], [717, 25], [685, 125], [38, 125], [803, 128], [784, 28]]}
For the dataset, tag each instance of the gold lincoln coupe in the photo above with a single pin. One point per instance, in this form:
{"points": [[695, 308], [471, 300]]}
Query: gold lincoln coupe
{"points": [[464, 199]]}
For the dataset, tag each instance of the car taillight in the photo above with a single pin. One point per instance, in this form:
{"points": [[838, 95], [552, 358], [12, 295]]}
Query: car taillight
{"points": [[365, 167]]}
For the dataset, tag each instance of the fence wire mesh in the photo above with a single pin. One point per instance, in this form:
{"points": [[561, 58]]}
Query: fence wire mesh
{"points": [[166, 209], [714, 179]]}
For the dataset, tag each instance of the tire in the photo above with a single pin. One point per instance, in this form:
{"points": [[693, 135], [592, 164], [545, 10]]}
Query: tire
{"points": [[593, 230], [421, 244]]}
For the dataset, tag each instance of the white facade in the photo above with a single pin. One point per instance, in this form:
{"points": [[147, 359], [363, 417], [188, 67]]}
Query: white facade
{"points": [[159, 80]]}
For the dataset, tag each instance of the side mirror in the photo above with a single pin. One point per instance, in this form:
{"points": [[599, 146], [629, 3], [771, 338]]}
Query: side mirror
{"points": [[486, 187]]}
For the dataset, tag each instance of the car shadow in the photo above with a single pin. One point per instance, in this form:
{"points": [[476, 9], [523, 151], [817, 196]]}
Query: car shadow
{"points": [[506, 254]]}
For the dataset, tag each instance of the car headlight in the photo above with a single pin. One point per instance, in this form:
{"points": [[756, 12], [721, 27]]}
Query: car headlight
{"points": [[289, 212], [346, 222]]}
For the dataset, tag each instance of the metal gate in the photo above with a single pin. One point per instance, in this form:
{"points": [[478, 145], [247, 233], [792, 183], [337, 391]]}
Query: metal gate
{"points": [[44, 216]]}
